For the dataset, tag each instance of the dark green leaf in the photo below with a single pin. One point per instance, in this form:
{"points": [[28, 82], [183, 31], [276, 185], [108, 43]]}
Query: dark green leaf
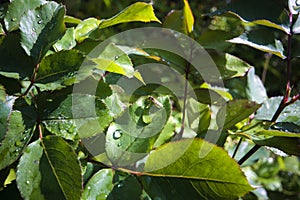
{"points": [[16, 10], [262, 12], [59, 70], [235, 111], [139, 11], [262, 40], [15, 139], [198, 160], [215, 39], [99, 186], [175, 21], [41, 28]]}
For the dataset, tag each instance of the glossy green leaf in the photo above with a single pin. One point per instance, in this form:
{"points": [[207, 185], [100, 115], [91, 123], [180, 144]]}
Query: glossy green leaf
{"points": [[229, 65], [5, 109], [2, 32], [255, 89], [16, 10], [28, 174], [249, 12], [290, 114], [262, 40], [188, 16], [59, 70], [41, 28], [198, 163], [208, 96], [67, 42], [235, 111], [61, 170], [99, 186], [15, 139], [75, 117], [138, 11], [296, 26], [86, 28], [134, 133], [114, 104]]}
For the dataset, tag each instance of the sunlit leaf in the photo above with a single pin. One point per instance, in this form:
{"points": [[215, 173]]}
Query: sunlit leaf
{"points": [[198, 162], [67, 42], [255, 89], [188, 16], [139, 11]]}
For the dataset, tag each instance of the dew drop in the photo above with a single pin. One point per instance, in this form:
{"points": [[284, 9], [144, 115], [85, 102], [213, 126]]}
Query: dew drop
{"points": [[33, 29], [13, 19], [88, 187], [119, 144], [38, 16], [117, 134], [116, 57], [120, 185], [40, 21], [27, 182]]}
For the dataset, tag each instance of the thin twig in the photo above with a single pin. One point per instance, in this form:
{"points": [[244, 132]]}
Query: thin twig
{"points": [[237, 147]]}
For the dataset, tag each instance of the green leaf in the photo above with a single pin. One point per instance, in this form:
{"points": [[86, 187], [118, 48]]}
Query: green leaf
{"points": [[28, 174], [15, 139], [290, 114], [2, 32], [67, 42], [266, 14], [198, 162], [229, 65], [175, 21], [5, 109], [16, 10], [99, 186], [215, 39], [263, 40], [71, 20], [255, 89], [59, 70], [49, 169], [235, 111], [138, 11], [41, 28], [134, 133], [188, 16], [75, 116], [10, 67], [113, 59], [85, 28], [296, 26]]}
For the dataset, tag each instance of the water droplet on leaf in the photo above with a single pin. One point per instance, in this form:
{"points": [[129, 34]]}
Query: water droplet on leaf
{"points": [[88, 187], [116, 57], [13, 19], [27, 182], [38, 16], [117, 134], [40, 21]]}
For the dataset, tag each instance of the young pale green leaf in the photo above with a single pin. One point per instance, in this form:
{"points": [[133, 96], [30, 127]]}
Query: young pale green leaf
{"points": [[41, 28], [229, 65], [113, 59], [16, 137], [71, 20], [28, 174], [188, 16], [262, 40], [134, 133], [86, 28], [249, 12], [67, 42], [235, 111], [255, 89], [198, 163], [59, 70], [16, 10], [2, 32], [99, 186], [290, 114], [139, 11]]}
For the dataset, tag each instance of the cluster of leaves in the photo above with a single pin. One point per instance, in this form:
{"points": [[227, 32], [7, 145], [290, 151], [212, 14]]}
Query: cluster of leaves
{"points": [[48, 152]]}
